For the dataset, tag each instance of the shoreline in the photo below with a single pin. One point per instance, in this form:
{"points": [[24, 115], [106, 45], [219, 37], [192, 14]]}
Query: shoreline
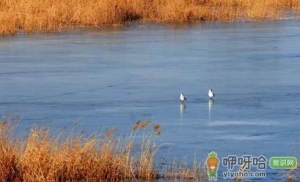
{"points": [[34, 16]]}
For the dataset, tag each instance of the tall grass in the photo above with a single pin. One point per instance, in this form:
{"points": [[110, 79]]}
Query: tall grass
{"points": [[52, 15], [39, 157]]}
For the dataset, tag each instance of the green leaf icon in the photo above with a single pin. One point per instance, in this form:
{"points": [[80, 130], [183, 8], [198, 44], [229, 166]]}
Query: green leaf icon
{"points": [[212, 154]]}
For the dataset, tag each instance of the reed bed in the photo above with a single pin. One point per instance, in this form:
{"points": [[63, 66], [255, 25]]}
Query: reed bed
{"points": [[53, 15], [40, 157]]}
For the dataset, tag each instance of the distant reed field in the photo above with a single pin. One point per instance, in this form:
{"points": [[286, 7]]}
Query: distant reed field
{"points": [[52, 15], [40, 157]]}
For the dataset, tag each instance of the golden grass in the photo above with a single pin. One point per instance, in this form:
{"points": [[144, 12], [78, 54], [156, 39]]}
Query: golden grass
{"points": [[292, 174], [76, 158], [52, 15], [182, 171]]}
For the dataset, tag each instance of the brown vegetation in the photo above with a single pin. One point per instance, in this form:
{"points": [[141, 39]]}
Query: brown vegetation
{"points": [[52, 15], [96, 158]]}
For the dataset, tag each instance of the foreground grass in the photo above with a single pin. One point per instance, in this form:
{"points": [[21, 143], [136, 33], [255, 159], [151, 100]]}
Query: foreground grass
{"points": [[98, 157], [52, 15]]}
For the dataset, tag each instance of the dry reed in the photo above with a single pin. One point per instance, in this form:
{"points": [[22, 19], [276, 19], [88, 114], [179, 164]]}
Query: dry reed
{"points": [[40, 157], [53, 15], [182, 171]]}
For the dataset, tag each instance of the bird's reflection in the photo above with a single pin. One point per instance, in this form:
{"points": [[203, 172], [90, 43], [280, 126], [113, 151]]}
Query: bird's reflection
{"points": [[210, 107], [182, 108]]}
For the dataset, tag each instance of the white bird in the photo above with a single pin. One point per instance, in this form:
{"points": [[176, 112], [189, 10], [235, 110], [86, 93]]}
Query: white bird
{"points": [[210, 94], [182, 97]]}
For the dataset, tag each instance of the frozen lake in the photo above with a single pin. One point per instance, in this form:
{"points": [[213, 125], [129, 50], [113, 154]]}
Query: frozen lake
{"points": [[115, 76]]}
